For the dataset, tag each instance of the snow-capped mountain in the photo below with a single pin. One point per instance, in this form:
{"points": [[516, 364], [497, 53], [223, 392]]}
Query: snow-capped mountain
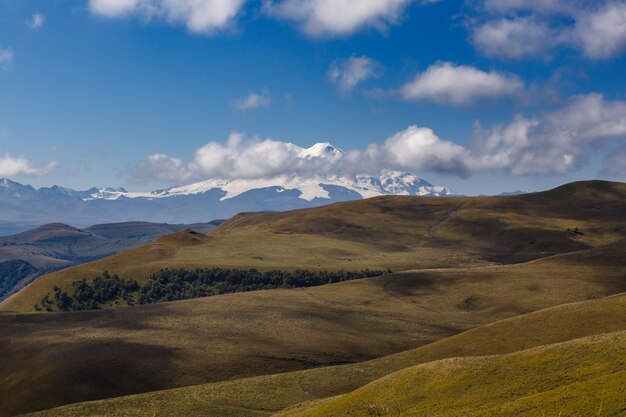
{"points": [[206, 200], [316, 187]]}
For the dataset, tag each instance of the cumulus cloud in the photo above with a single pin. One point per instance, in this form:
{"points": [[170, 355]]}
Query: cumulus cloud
{"points": [[254, 101], [11, 167], [515, 29], [36, 21], [237, 158], [515, 38], [338, 17], [199, 16], [6, 57], [346, 74], [459, 84], [602, 34], [546, 144]]}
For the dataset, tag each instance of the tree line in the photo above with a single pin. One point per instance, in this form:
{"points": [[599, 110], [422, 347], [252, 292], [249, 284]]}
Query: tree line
{"points": [[183, 284]]}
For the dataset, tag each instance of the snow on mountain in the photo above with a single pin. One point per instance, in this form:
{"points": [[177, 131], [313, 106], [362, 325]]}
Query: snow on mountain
{"points": [[389, 183]]}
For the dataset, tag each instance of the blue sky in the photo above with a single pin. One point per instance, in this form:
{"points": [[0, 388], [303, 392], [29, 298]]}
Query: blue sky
{"points": [[92, 91]]}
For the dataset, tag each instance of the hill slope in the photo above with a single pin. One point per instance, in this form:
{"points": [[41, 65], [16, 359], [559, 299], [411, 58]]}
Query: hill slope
{"points": [[583, 377], [260, 396], [59, 358], [400, 233]]}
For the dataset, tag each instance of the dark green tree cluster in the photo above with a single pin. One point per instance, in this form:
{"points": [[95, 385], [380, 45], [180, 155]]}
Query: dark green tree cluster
{"points": [[183, 284], [91, 295]]}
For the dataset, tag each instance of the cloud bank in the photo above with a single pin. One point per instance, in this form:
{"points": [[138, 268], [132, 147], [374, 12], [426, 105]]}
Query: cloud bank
{"points": [[315, 17], [548, 144]]}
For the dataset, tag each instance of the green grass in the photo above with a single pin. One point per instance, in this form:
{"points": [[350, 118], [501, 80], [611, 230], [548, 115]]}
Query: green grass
{"points": [[583, 377], [261, 396], [399, 233], [62, 358]]}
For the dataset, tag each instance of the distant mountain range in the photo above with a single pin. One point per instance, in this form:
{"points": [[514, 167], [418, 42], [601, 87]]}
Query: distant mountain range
{"points": [[22, 206]]}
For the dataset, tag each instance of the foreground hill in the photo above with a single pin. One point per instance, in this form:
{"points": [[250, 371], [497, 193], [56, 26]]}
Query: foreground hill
{"points": [[583, 377], [56, 246], [59, 358], [261, 396], [399, 233]]}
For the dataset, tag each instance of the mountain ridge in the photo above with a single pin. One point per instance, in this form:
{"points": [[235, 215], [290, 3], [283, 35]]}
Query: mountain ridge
{"points": [[203, 201]]}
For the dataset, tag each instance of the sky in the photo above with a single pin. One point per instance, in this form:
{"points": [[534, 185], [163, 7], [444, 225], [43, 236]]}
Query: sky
{"points": [[481, 96]]}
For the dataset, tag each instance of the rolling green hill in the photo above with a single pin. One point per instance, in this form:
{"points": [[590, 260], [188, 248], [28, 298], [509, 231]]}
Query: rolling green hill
{"points": [[262, 396], [398, 233], [59, 358], [583, 377]]}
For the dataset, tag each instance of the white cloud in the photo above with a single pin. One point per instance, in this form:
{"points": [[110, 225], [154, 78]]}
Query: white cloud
{"points": [[338, 17], [552, 143], [346, 74], [6, 57], [547, 144], [254, 101], [11, 167], [163, 168], [199, 16], [515, 38], [602, 34], [36, 22], [515, 29], [459, 84]]}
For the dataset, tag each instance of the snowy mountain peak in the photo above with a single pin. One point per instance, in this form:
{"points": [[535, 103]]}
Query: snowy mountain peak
{"points": [[322, 150]]}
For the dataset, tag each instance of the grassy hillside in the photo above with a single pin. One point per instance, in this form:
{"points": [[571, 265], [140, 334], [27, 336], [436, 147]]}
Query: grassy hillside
{"points": [[399, 233], [59, 358], [56, 246], [261, 396], [583, 377]]}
